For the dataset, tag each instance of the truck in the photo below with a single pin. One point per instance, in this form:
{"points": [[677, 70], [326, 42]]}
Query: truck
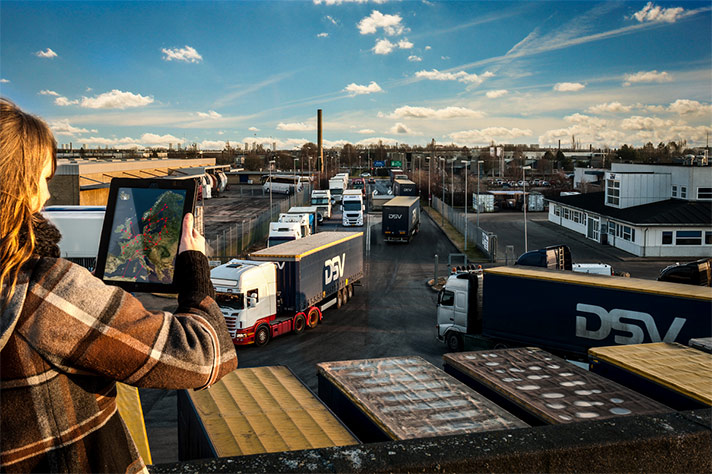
{"points": [[80, 227], [564, 312], [353, 208], [321, 199], [287, 288], [394, 173], [400, 219], [310, 211], [288, 227], [691, 273], [359, 183], [337, 185], [404, 187]]}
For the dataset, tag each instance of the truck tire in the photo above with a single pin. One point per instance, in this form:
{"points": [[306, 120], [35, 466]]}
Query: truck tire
{"points": [[350, 290], [339, 300], [313, 317], [299, 323], [453, 341], [262, 335]]}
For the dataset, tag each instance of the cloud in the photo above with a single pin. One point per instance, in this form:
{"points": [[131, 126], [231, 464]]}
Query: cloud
{"points": [[428, 48], [651, 12], [213, 144], [210, 114], [435, 114], [115, 99], [332, 20], [322, 35], [187, 54], [581, 119], [497, 93], [47, 53], [154, 139], [383, 46], [253, 129], [414, 59], [402, 129], [645, 123], [691, 107], [366, 131], [63, 127], [405, 44], [487, 135], [4, 81], [355, 89], [647, 76], [391, 24], [568, 86], [610, 108], [339, 2], [460, 76], [377, 141], [64, 102], [296, 127], [48, 92]]}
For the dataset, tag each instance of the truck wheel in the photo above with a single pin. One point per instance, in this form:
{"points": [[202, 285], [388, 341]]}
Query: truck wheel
{"points": [[339, 300], [262, 335], [454, 341], [350, 290], [300, 323], [313, 317]]}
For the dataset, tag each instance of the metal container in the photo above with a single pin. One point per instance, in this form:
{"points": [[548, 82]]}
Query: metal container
{"points": [[400, 218], [486, 202]]}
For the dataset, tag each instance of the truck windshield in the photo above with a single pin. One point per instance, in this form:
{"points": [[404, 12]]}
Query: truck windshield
{"points": [[320, 200], [336, 191], [278, 240], [231, 300], [446, 297], [352, 206]]}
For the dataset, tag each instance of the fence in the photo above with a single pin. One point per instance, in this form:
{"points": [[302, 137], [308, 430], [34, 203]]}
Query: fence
{"points": [[233, 241], [483, 240]]}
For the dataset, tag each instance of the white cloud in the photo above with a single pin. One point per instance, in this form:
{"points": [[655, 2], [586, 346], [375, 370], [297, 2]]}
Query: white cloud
{"points": [[63, 127], [366, 131], [656, 109], [401, 128], [212, 144], [253, 129], [322, 35], [497, 93], [692, 107], [47, 53], [153, 139], [414, 59], [435, 114], [64, 102], [332, 20], [356, 89], [428, 48], [116, 99], [488, 135], [377, 140], [581, 119], [4, 81], [405, 44], [391, 24], [444, 58], [568, 86], [652, 12], [611, 107], [187, 54], [339, 2], [296, 127], [647, 76], [210, 114], [460, 76], [48, 92], [383, 46], [645, 123]]}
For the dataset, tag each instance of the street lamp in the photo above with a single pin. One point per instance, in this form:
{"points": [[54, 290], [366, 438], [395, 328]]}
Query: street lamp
{"points": [[430, 164], [452, 183], [524, 197], [295, 175], [466, 163], [442, 175], [271, 163], [478, 191]]}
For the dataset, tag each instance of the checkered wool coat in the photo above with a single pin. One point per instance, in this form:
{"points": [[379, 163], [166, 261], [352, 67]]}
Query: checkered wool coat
{"points": [[66, 338]]}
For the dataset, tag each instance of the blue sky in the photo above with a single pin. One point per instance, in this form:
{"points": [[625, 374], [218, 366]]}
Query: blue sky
{"points": [[470, 73]]}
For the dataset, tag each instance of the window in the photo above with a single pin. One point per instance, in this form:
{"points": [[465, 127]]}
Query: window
{"points": [[447, 298], [667, 237], [683, 192], [688, 237], [704, 193], [253, 293], [708, 238], [613, 192], [674, 190], [625, 232], [557, 210], [566, 213], [611, 228]]}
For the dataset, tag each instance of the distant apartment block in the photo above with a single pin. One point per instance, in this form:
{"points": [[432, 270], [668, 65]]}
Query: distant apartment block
{"points": [[646, 210]]}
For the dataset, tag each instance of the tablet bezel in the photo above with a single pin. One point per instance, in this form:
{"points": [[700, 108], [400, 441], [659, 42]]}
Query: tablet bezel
{"points": [[189, 185]]}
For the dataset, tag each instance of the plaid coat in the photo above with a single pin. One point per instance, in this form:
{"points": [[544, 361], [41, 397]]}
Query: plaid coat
{"points": [[66, 337]]}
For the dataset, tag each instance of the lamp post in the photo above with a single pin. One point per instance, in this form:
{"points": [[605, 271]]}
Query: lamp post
{"points": [[452, 183], [466, 163], [478, 192], [442, 176], [295, 175], [524, 197], [430, 163], [271, 163]]}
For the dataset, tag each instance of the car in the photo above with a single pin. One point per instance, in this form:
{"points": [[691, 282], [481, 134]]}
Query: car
{"points": [[365, 175]]}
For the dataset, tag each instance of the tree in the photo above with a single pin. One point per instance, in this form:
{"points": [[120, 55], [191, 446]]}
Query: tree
{"points": [[564, 161], [627, 154], [252, 162]]}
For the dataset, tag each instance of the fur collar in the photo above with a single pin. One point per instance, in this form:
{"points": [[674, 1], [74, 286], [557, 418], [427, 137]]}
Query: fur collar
{"points": [[47, 237]]}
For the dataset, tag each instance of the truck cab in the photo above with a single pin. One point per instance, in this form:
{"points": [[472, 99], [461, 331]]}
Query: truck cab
{"points": [[321, 199], [458, 311], [247, 295], [353, 208], [311, 214], [336, 188]]}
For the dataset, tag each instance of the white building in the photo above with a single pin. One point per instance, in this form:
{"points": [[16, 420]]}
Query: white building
{"points": [[646, 210]]}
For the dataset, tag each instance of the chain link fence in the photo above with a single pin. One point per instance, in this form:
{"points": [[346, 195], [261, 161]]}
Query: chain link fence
{"points": [[485, 241]]}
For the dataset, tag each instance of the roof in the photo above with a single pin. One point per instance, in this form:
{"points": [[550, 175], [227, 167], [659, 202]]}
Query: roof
{"points": [[401, 201], [669, 212], [302, 247]]}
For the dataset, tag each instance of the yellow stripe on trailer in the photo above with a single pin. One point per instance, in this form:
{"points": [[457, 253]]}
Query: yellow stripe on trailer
{"points": [[677, 367], [129, 404], [265, 410]]}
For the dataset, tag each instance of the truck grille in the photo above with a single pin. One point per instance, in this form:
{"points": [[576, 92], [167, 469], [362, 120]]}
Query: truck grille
{"points": [[231, 322]]}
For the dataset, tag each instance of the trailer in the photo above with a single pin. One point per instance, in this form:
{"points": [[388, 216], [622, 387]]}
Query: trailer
{"points": [[254, 411], [80, 227], [400, 219], [404, 187], [400, 398], [286, 288]]}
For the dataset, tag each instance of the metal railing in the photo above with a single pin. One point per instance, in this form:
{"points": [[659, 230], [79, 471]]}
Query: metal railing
{"points": [[483, 240]]}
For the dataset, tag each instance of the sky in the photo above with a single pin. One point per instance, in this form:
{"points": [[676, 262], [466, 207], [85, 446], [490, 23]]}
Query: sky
{"points": [[469, 73]]}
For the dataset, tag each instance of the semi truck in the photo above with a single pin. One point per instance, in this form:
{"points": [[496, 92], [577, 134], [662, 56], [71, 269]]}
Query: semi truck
{"points": [[565, 312], [337, 186], [404, 187], [288, 227], [321, 199], [310, 211], [286, 288], [400, 219], [352, 208]]}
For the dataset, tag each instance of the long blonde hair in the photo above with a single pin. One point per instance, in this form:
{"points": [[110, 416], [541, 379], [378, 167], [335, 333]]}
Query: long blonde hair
{"points": [[25, 143]]}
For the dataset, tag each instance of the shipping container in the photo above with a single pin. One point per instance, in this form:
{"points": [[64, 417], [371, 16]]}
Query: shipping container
{"points": [[541, 388], [253, 411], [677, 375], [404, 187], [400, 219], [486, 201], [535, 202], [404, 398]]}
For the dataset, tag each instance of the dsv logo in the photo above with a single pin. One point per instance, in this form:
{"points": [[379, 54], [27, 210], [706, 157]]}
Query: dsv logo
{"points": [[633, 333], [334, 269], [395, 216]]}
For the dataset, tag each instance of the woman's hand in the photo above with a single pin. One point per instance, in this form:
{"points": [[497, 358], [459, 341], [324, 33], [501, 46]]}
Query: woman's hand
{"points": [[191, 238]]}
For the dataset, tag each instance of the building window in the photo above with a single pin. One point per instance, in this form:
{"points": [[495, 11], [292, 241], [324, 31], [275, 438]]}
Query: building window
{"points": [[625, 232], [704, 193], [708, 238], [667, 237], [674, 190], [683, 192], [688, 237], [611, 228], [613, 191], [566, 213], [557, 210]]}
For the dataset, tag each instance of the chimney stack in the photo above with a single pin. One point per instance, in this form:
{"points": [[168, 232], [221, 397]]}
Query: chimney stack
{"points": [[319, 140]]}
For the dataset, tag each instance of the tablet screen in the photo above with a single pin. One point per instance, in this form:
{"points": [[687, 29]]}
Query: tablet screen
{"points": [[144, 235]]}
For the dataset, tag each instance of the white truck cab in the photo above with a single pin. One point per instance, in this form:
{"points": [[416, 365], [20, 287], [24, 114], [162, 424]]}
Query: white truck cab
{"points": [[457, 312], [352, 208], [288, 227], [321, 198]]}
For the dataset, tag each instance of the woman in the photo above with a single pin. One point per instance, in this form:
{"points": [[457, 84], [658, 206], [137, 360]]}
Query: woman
{"points": [[66, 337]]}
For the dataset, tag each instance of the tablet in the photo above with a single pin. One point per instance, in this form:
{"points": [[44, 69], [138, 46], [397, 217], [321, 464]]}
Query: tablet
{"points": [[141, 232]]}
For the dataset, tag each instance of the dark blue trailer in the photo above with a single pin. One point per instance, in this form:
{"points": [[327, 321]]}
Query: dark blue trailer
{"points": [[400, 219], [404, 187]]}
